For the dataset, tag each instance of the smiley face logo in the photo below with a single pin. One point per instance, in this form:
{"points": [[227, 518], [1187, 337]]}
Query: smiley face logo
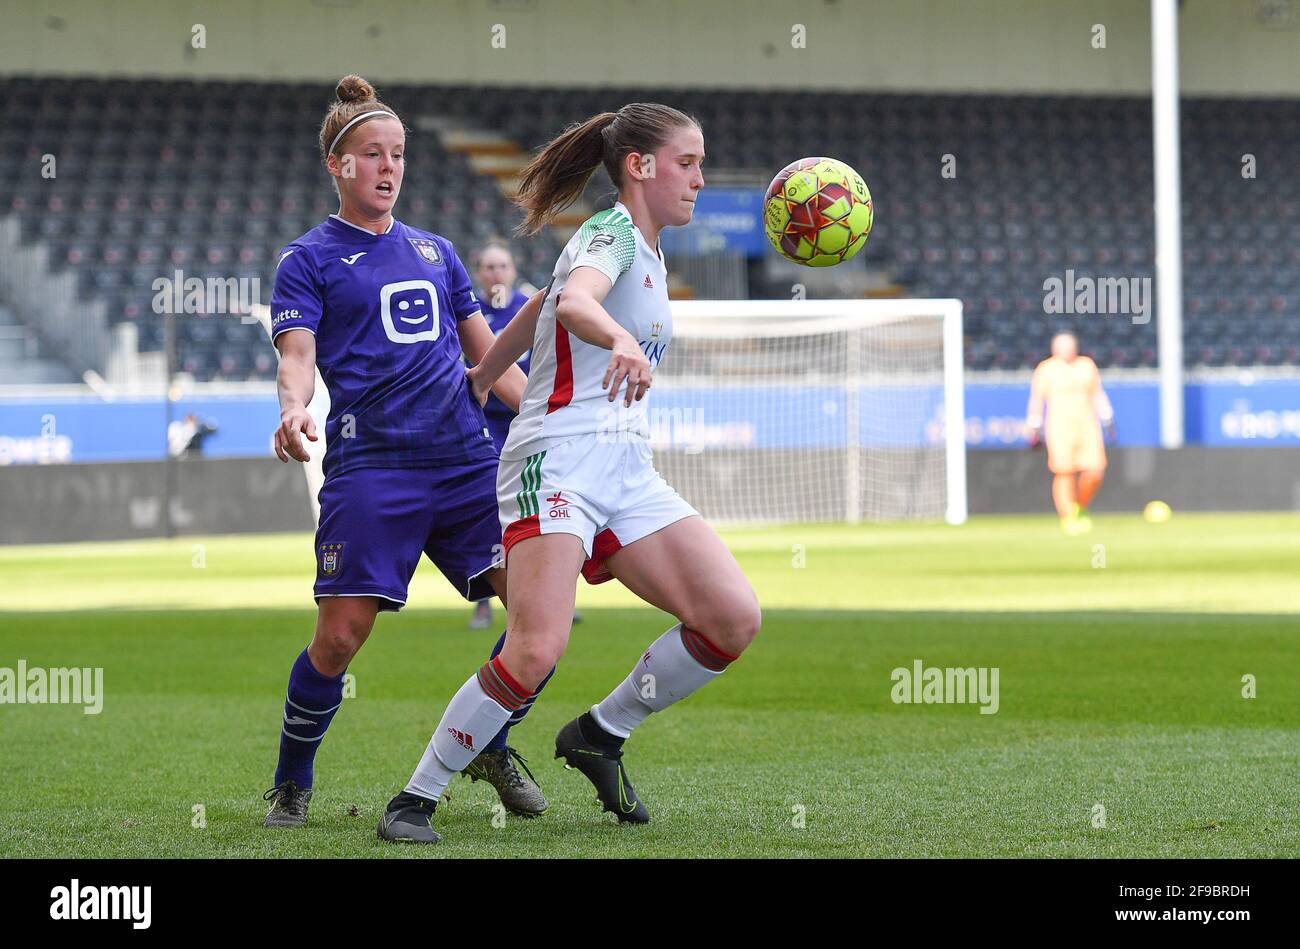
{"points": [[414, 304]]}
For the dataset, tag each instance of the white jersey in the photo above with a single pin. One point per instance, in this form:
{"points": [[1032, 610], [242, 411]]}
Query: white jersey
{"points": [[564, 396]]}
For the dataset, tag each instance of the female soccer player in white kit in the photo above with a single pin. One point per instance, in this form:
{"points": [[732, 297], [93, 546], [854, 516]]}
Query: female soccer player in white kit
{"points": [[577, 488]]}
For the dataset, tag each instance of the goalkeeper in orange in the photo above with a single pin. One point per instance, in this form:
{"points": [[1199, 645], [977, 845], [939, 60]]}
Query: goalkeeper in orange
{"points": [[1077, 410]]}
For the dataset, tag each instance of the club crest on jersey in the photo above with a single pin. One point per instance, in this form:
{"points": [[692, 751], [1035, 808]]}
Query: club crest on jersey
{"points": [[426, 249], [331, 556]]}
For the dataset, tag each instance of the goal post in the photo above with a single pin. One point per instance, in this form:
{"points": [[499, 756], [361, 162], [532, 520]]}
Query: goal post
{"points": [[784, 411]]}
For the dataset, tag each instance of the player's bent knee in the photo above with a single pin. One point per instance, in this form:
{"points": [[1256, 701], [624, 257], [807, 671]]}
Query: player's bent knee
{"points": [[531, 660], [334, 649], [745, 623], [340, 634], [730, 622]]}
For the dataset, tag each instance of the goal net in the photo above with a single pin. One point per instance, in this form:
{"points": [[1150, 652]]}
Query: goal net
{"points": [[769, 412]]}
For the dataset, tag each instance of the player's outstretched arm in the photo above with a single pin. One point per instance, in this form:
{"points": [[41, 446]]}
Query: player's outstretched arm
{"points": [[296, 383], [580, 311], [515, 340], [475, 340]]}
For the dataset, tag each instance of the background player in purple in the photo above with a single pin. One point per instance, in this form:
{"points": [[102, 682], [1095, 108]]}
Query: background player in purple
{"points": [[500, 298], [387, 313]]}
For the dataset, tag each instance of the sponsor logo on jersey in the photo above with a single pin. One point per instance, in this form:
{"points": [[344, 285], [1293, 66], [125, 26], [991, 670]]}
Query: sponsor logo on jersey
{"points": [[354, 258], [599, 243], [426, 249], [655, 328], [409, 311], [648, 284], [462, 739], [331, 558], [653, 351], [559, 505]]}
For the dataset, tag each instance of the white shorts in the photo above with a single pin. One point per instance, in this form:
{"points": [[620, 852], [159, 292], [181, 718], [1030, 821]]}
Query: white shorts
{"points": [[605, 492]]}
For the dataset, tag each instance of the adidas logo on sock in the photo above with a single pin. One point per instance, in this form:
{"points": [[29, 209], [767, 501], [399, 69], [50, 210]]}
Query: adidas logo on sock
{"points": [[462, 739]]}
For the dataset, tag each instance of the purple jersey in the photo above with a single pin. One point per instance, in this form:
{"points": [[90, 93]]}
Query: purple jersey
{"points": [[384, 310], [499, 319]]}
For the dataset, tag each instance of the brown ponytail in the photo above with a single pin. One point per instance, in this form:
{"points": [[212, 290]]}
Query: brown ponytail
{"points": [[353, 96], [555, 177]]}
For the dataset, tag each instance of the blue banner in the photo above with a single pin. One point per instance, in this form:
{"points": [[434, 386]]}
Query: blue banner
{"points": [[50, 431], [54, 431], [1264, 413], [995, 413], [726, 220]]}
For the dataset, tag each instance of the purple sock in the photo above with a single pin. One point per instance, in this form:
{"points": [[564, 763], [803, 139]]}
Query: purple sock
{"points": [[309, 708]]}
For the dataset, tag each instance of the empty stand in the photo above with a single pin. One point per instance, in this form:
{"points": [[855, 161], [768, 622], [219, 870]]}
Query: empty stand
{"points": [[213, 178]]}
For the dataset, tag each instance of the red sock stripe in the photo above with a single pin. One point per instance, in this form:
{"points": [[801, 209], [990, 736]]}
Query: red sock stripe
{"points": [[510, 681], [704, 652], [495, 692], [501, 686]]}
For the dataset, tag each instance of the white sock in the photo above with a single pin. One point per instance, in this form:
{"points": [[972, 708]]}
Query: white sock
{"points": [[473, 717], [677, 663]]}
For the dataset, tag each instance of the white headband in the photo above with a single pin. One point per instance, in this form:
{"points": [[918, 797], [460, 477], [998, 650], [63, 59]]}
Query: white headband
{"points": [[344, 131]]}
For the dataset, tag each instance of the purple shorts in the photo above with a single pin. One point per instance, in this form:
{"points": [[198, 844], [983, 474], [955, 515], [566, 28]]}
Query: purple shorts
{"points": [[375, 522]]}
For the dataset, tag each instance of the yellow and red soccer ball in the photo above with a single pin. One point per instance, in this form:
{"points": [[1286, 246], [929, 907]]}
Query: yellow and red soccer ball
{"points": [[817, 212]]}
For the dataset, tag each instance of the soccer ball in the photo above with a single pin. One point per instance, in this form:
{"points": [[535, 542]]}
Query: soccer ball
{"points": [[1157, 512], [817, 212]]}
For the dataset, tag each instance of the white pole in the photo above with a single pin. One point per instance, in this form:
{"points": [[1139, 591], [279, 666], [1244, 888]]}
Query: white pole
{"points": [[852, 445], [954, 413], [1168, 208]]}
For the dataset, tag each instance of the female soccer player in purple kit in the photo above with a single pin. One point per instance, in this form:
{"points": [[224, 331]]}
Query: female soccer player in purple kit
{"points": [[386, 312]]}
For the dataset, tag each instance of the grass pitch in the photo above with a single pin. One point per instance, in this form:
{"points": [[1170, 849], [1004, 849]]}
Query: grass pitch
{"points": [[1122, 730]]}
